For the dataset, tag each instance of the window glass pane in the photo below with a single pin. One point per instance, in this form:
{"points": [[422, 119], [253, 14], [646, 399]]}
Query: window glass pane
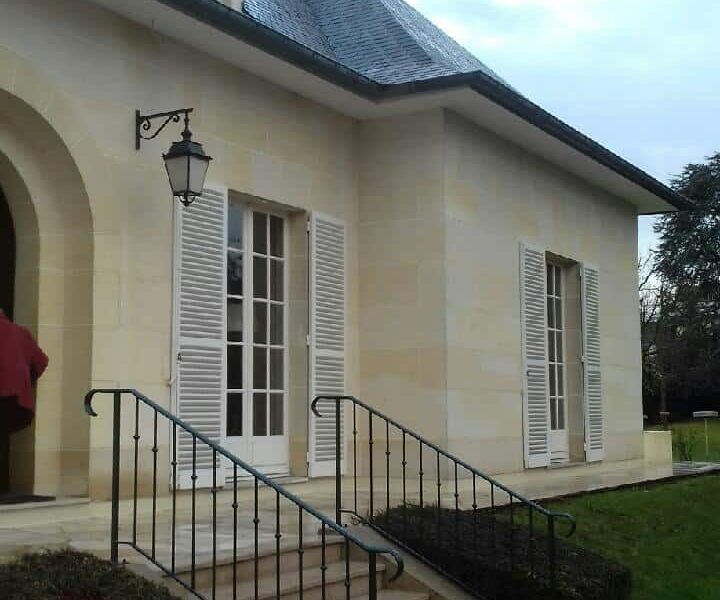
{"points": [[260, 368], [277, 425], [235, 367], [260, 277], [561, 413], [553, 412], [561, 389], [276, 280], [235, 320], [559, 347], [259, 414], [260, 323], [235, 224], [276, 369], [550, 313], [558, 314], [551, 371], [234, 415], [235, 273], [260, 233], [558, 281], [551, 346], [550, 280], [276, 237], [277, 324]]}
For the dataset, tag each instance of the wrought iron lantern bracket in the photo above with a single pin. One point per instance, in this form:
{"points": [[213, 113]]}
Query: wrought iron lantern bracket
{"points": [[144, 123]]}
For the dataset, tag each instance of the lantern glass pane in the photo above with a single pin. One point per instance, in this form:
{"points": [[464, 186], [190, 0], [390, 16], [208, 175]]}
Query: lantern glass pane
{"points": [[177, 169], [198, 170]]}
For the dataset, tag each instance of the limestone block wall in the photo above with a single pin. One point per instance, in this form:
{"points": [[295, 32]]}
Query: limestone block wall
{"points": [[497, 196], [80, 64], [402, 273]]}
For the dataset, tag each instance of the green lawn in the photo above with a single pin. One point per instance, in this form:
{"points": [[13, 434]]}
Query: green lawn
{"points": [[667, 534], [695, 431]]}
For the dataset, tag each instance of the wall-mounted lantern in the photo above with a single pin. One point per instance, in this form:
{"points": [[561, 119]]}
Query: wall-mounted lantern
{"points": [[185, 162]]}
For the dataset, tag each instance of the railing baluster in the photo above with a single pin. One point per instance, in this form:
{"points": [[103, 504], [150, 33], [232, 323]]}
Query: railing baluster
{"points": [[256, 523], [347, 569], [387, 467], [457, 511], [439, 485], [301, 552], [355, 480], [323, 563], [235, 526], [193, 478], [338, 464], [372, 576], [136, 440], [512, 534], [154, 484], [115, 510], [551, 541], [531, 548], [173, 465], [370, 449], [404, 483], [420, 473], [213, 493], [493, 535], [475, 535], [278, 535]]}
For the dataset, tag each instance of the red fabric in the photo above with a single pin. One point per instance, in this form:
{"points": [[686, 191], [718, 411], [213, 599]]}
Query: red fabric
{"points": [[22, 362]]}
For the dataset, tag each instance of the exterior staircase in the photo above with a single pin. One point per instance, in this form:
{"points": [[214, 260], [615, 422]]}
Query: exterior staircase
{"points": [[260, 540], [342, 576]]}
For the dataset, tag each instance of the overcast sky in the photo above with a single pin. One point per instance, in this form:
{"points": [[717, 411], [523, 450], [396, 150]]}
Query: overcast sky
{"points": [[642, 77]]}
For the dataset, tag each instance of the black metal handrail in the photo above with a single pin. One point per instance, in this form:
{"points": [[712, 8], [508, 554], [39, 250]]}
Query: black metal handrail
{"points": [[496, 488], [302, 507]]}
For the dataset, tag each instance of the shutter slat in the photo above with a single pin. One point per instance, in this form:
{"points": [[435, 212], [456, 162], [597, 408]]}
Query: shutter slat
{"points": [[327, 349], [536, 420], [200, 291], [594, 435]]}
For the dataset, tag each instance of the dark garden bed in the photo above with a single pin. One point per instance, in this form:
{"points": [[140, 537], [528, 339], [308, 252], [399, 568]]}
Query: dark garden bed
{"points": [[67, 575], [495, 559]]}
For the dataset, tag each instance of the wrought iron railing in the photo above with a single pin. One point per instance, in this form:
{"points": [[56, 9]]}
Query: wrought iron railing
{"points": [[254, 481], [412, 464]]}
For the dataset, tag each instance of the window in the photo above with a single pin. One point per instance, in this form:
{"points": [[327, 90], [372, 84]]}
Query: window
{"points": [[556, 356], [256, 313]]}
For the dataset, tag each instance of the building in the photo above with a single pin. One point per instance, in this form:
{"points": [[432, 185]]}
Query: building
{"points": [[384, 216]]}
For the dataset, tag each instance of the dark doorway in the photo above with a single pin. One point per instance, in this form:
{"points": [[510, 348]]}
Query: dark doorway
{"points": [[7, 258], [7, 298]]}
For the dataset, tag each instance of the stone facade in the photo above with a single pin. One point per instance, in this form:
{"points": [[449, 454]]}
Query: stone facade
{"points": [[435, 209]]}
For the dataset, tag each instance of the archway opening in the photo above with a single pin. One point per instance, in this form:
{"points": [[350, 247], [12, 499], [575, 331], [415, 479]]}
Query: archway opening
{"points": [[7, 303]]}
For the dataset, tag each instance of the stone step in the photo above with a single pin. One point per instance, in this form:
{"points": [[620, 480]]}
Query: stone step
{"points": [[312, 584], [396, 595], [267, 562]]}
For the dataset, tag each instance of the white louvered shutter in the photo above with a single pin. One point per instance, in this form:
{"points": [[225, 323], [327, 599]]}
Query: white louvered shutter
{"points": [[199, 390], [592, 385], [327, 336], [536, 406]]}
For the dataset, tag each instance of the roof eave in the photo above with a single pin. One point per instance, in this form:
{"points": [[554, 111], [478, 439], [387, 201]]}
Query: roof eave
{"points": [[239, 25]]}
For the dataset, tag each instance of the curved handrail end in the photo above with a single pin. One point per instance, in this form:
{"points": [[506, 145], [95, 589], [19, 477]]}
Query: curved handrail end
{"points": [[570, 519], [399, 565], [88, 403]]}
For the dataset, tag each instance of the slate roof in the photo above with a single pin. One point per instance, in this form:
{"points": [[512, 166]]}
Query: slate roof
{"points": [[387, 41]]}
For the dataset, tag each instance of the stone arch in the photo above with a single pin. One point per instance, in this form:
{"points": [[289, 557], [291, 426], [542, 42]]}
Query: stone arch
{"points": [[50, 209]]}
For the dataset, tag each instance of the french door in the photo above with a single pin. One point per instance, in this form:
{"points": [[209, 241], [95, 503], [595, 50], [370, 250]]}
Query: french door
{"points": [[255, 415], [559, 438]]}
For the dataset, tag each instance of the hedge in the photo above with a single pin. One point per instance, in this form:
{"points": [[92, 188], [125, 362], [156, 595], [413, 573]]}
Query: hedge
{"points": [[493, 558], [68, 575]]}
